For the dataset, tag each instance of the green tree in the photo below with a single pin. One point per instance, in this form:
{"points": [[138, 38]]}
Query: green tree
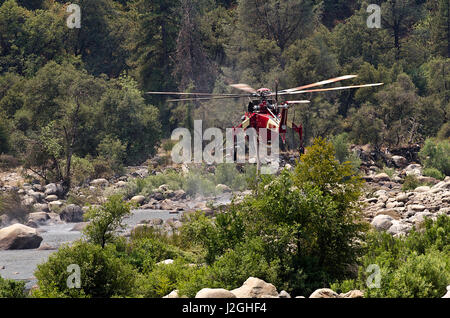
{"points": [[106, 220], [103, 273]]}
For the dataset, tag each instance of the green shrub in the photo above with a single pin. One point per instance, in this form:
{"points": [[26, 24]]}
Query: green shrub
{"points": [[4, 135], [144, 253], [389, 171], [425, 276], [434, 173], [82, 170], [114, 151], [444, 132], [106, 220], [341, 146], [296, 230], [11, 205], [436, 154], [163, 279], [230, 271], [8, 162], [215, 236], [415, 266], [410, 182], [103, 273], [11, 288]]}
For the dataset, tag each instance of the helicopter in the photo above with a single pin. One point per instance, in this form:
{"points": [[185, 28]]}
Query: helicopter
{"points": [[264, 110]]}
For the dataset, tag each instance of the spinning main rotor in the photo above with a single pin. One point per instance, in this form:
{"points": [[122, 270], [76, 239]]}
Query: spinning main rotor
{"points": [[264, 93]]}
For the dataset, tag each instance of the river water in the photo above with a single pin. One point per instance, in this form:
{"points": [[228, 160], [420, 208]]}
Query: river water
{"points": [[21, 264]]}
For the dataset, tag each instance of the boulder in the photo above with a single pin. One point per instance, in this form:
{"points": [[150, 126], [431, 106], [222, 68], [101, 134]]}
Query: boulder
{"points": [[72, 214], [19, 236], [38, 196], [173, 294], [38, 217], [41, 207], [165, 262], [51, 198], [52, 188], [284, 294], [324, 293], [381, 177], [448, 293], [415, 169], [214, 293], [400, 161], [422, 189], [398, 228], [390, 212], [99, 182], [29, 201], [353, 294], [179, 195], [121, 184], [255, 288], [55, 205], [382, 222], [79, 227], [402, 197], [416, 207], [47, 247], [139, 199], [222, 188]]}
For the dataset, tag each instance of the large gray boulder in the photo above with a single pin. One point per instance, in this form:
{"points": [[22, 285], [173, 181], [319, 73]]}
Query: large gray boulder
{"points": [[382, 222], [255, 288], [18, 237], [72, 214], [214, 293], [324, 293], [38, 217], [53, 188], [448, 292]]}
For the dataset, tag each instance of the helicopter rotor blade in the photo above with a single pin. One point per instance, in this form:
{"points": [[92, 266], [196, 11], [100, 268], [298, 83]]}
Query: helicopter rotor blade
{"points": [[330, 89], [328, 81], [205, 98], [190, 94], [244, 87], [290, 102]]}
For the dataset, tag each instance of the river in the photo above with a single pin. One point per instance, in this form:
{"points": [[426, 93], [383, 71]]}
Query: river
{"points": [[21, 264]]}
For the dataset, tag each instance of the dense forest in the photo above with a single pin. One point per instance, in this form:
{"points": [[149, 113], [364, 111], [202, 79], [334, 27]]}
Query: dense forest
{"points": [[67, 95]]}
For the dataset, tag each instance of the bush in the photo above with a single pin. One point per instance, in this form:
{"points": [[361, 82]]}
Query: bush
{"points": [[11, 288], [113, 151], [415, 266], [106, 220], [103, 273], [82, 170], [444, 132], [436, 154], [434, 173], [144, 253], [164, 278], [8, 162], [297, 231], [342, 148], [410, 182], [11, 205]]}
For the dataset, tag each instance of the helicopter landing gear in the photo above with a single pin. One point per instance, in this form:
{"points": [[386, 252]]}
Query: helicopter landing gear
{"points": [[301, 150]]}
